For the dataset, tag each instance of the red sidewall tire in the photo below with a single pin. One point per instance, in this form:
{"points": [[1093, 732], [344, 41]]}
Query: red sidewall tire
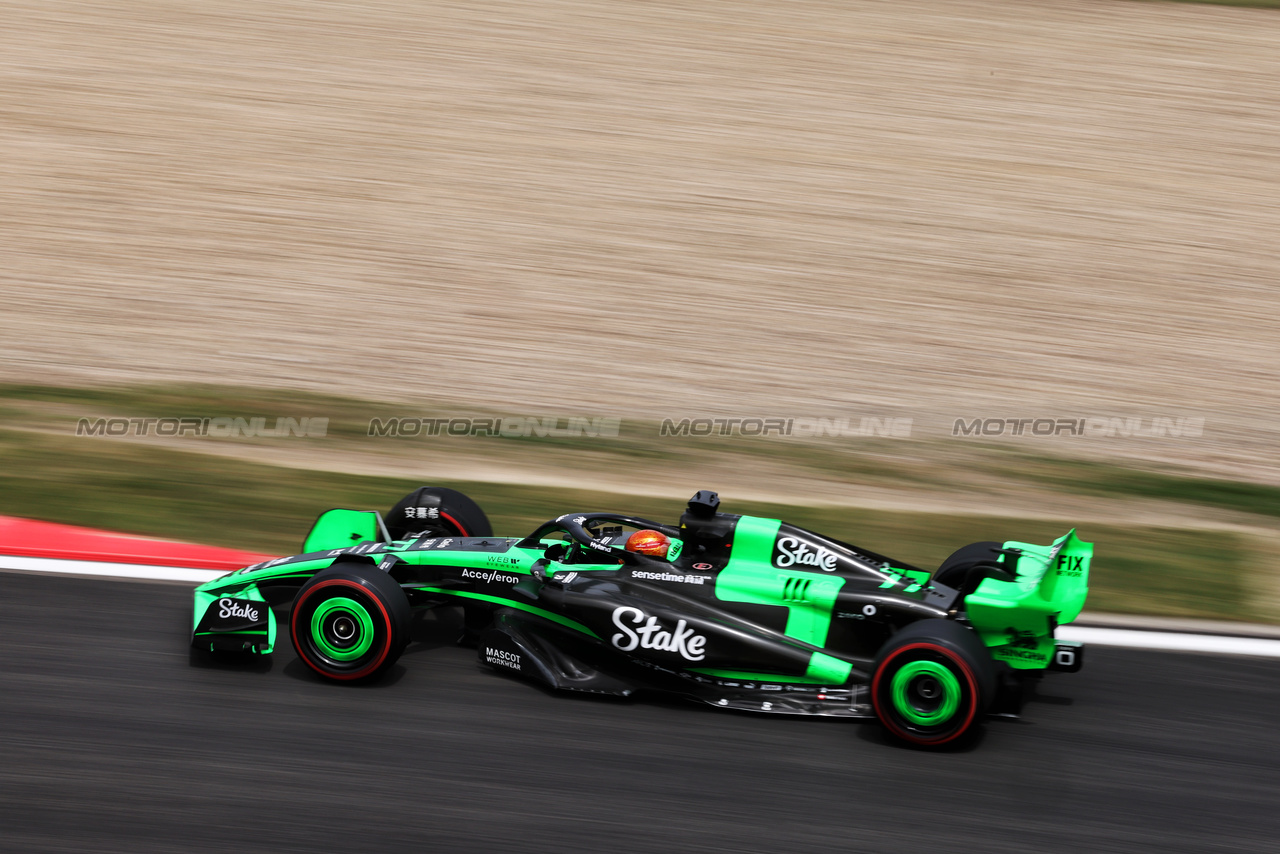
{"points": [[884, 706], [949, 681], [303, 648], [381, 602]]}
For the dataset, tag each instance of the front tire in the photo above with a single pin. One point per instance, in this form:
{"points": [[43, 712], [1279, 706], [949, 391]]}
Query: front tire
{"points": [[931, 683], [350, 622]]}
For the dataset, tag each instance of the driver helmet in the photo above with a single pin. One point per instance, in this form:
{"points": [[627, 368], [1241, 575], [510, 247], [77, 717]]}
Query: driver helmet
{"points": [[648, 542]]}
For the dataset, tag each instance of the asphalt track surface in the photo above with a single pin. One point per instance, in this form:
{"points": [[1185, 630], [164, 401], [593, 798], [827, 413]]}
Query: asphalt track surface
{"points": [[114, 738]]}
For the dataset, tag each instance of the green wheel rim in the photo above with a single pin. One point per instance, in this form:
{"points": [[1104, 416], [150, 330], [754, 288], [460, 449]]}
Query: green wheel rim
{"points": [[342, 629], [926, 693]]}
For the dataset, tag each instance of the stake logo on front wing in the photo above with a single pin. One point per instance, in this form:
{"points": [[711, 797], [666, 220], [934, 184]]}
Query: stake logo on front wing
{"points": [[651, 634], [230, 609], [228, 614]]}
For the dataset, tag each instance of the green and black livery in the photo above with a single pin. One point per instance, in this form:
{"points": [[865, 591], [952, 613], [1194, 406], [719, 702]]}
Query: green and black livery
{"points": [[743, 613]]}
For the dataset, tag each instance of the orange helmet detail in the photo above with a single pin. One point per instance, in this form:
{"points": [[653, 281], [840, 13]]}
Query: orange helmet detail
{"points": [[649, 542]]}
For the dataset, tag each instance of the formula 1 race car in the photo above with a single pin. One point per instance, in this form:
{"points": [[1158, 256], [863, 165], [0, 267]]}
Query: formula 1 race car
{"points": [[740, 612]]}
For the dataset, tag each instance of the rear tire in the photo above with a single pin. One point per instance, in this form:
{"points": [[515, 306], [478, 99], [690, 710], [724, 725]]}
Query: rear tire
{"points": [[931, 683], [350, 622], [984, 552], [437, 511], [967, 566]]}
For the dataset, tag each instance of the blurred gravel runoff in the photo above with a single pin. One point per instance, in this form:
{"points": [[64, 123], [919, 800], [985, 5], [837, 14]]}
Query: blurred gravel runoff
{"points": [[817, 207]]}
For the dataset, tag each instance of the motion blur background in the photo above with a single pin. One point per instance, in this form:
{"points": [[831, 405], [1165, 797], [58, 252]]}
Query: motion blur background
{"points": [[932, 211], [802, 207], [937, 210]]}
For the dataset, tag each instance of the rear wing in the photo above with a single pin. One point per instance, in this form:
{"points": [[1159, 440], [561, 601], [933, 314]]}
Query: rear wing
{"points": [[1016, 618]]}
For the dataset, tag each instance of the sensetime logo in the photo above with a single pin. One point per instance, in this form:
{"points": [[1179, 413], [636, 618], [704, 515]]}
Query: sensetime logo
{"points": [[639, 629]]}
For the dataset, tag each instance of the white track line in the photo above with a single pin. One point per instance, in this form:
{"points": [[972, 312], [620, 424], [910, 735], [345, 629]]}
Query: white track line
{"points": [[1128, 638], [1172, 641], [109, 570]]}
